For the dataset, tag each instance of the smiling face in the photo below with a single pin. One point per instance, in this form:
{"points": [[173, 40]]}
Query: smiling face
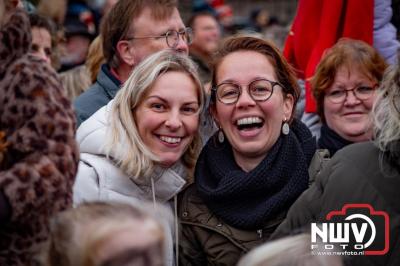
{"points": [[350, 119], [206, 34], [251, 127], [168, 116]]}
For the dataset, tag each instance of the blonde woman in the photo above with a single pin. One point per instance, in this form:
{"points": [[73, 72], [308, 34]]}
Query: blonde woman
{"points": [[142, 146], [104, 233]]}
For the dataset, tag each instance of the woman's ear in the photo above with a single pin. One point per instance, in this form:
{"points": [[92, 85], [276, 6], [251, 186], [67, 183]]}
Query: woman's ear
{"points": [[126, 52], [288, 102]]}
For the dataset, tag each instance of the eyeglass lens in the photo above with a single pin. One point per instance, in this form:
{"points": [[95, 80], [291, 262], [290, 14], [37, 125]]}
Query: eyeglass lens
{"points": [[173, 37], [259, 90], [361, 93]]}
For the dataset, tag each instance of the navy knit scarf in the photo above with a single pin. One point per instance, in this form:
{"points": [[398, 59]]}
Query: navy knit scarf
{"points": [[331, 140], [247, 200]]}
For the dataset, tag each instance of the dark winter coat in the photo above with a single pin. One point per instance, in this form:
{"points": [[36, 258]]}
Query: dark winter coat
{"points": [[229, 211], [358, 173], [217, 242]]}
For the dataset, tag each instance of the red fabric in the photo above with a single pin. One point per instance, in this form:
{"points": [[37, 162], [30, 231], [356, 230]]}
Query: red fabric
{"points": [[317, 26], [115, 74]]}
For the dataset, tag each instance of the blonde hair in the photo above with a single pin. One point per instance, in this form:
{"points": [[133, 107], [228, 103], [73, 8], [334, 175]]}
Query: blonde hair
{"points": [[95, 58], [77, 235], [75, 81], [386, 113], [288, 251], [124, 144]]}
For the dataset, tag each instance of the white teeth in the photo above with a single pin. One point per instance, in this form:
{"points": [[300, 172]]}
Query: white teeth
{"points": [[248, 120], [170, 139]]}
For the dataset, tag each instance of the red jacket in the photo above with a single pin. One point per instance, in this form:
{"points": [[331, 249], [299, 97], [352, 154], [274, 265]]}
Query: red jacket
{"points": [[317, 26]]}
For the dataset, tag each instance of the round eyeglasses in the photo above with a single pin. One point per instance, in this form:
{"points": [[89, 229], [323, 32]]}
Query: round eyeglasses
{"points": [[362, 93], [171, 37], [259, 90]]}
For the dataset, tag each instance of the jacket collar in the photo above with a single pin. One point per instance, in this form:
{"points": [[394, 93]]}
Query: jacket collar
{"points": [[108, 81], [168, 182]]}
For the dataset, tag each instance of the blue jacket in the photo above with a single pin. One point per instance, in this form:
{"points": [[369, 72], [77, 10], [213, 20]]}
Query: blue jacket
{"points": [[98, 95]]}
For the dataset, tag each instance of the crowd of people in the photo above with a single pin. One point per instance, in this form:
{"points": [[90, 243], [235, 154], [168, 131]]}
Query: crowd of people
{"points": [[148, 140]]}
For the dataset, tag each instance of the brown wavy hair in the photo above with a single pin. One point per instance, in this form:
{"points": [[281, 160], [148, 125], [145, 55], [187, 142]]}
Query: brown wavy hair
{"points": [[352, 54]]}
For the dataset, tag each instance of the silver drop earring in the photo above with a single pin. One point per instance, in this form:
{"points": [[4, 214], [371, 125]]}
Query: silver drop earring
{"points": [[285, 127], [221, 136]]}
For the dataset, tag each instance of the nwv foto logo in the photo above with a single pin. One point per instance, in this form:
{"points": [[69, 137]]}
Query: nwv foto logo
{"points": [[355, 228]]}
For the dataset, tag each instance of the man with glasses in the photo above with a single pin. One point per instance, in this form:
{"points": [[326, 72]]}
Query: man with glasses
{"points": [[131, 31]]}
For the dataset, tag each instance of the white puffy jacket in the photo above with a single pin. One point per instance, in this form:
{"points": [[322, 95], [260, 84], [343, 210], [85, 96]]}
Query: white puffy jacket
{"points": [[99, 179]]}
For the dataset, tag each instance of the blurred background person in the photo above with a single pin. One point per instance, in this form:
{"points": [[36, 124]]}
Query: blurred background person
{"points": [[105, 234], [259, 20], [344, 86], [43, 37], [142, 146], [39, 155], [55, 11], [79, 30], [78, 79], [206, 36], [269, 27], [252, 170], [362, 173]]}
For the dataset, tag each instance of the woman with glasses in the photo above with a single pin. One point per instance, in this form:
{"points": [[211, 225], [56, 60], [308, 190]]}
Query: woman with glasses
{"points": [[366, 175], [344, 87], [251, 171]]}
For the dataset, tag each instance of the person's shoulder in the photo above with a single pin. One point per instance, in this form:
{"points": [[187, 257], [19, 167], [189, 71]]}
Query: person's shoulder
{"points": [[188, 194], [92, 131], [92, 94], [191, 206], [355, 163], [358, 152], [89, 102]]}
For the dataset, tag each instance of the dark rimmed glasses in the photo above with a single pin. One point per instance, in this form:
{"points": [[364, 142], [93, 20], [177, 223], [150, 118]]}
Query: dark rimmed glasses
{"points": [[171, 37], [259, 90], [362, 93]]}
